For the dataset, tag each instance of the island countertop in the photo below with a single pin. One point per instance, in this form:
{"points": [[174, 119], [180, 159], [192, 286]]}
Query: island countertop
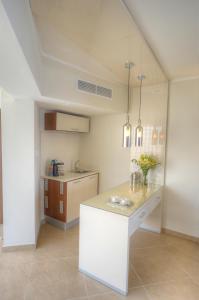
{"points": [[124, 190], [70, 176]]}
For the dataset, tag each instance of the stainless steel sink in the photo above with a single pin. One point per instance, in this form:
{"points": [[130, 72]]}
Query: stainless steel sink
{"points": [[80, 171]]}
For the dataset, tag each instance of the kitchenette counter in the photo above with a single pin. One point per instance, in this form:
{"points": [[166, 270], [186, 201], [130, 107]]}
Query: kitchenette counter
{"points": [[138, 198], [106, 228], [70, 176]]}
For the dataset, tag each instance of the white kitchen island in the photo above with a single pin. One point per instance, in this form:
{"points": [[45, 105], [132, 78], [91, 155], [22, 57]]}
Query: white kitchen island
{"points": [[105, 231]]}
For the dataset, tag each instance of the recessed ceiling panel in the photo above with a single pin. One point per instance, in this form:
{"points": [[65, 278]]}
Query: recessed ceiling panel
{"points": [[101, 30]]}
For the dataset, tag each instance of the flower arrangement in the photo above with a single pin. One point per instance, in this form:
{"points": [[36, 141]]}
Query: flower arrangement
{"points": [[146, 162]]}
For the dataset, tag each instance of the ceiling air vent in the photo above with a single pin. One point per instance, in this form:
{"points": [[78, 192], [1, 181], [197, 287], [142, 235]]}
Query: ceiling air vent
{"points": [[92, 88], [104, 92]]}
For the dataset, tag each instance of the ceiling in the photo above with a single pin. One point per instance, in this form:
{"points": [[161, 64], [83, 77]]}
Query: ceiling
{"points": [[172, 29], [98, 36]]}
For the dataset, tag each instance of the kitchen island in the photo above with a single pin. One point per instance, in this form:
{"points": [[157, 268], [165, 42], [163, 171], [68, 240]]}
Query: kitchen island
{"points": [[106, 228]]}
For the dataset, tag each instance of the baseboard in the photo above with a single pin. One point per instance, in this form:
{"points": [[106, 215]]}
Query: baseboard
{"points": [[150, 228], [123, 293], [18, 248], [60, 224], [181, 235]]}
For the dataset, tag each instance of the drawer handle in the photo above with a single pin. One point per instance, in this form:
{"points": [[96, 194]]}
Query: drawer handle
{"points": [[142, 214], [74, 129]]}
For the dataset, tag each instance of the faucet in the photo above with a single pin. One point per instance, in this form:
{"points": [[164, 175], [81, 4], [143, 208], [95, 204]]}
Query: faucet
{"points": [[77, 165]]}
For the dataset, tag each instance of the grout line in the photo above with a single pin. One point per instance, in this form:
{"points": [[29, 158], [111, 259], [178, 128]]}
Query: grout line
{"points": [[147, 293]]}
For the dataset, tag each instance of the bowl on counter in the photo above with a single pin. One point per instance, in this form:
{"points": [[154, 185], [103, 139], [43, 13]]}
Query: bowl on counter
{"points": [[120, 201]]}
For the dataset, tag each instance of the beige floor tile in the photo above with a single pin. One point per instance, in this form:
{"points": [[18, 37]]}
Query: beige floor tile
{"points": [[134, 280], [14, 292], [185, 248], [93, 287], [152, 252], [153, 269], [57, 248], [190, 266], [137, 293], [162, 263], [185, 290], [144, 238], [13, 279], [56, 290], [134, 294], [57, 269]]}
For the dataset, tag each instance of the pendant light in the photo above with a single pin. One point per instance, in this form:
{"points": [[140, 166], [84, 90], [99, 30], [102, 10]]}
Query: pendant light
{"points": [[127, 129], [139, 128]]}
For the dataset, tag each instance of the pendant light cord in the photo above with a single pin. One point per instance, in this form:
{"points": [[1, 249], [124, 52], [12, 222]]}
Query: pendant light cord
{"points": [[128, 104], [139, 120]]}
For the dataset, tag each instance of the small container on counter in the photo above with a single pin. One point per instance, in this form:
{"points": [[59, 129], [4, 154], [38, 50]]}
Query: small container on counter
{"points": [[136, 181]]}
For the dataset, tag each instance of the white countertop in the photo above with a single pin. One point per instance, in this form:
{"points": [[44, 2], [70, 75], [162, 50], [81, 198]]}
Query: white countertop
{"points": [[70, 176], [124, 190]]}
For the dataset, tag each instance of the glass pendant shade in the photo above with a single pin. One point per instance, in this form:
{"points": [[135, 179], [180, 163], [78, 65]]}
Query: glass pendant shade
{"points": [[139, 128], [139, 135], [127, 129]]}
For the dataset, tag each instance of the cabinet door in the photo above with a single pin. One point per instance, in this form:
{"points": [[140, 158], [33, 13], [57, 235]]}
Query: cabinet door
{"points": [[75, 193], [79, 191], [91, 185], [48, 197], [71, 123], [55, 199], [59, 201]]}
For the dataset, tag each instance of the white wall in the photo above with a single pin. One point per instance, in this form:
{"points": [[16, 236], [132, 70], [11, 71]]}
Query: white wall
{"points": [[102, 149], [20, 16], [37, 140], [182, 188], [18, 171], [15, 75]]}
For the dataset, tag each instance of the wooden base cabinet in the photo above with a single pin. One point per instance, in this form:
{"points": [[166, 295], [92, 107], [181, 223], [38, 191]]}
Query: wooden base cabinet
{"points": [[55, 199], [62, 199]]}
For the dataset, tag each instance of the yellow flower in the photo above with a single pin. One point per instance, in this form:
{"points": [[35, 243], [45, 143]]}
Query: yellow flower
{"points": [[146, 162]]}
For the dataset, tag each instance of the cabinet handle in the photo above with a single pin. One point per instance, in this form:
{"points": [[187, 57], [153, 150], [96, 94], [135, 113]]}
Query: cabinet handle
{"points": [[61, 207], [46, 202], [45, 185], [61, 188], [74, 129]]}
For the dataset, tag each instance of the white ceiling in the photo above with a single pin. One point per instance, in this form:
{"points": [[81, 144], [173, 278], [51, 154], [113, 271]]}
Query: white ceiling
{"points": [[98, 36], [172, 29]]}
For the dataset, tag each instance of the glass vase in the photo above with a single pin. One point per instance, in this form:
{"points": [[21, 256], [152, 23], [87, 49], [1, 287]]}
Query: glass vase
{"points": [[145, 173]]}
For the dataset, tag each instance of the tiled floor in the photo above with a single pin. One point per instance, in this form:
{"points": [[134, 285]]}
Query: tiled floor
{"points": [[162, 267]]}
